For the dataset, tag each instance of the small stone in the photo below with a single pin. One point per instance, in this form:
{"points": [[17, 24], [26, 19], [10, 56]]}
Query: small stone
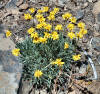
{"points": [[96, 43], [23, 6], [96, 8], [98, 59], [90, 0], [11, 4], [83, 69], [98, 17], [79, 14], [19, 2], [85, 5]]}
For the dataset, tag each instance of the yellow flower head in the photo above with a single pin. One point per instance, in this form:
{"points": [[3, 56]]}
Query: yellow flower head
{"points": [[32, 10], [83, 31], [66, 46], [34, 35], [27, 16], [66, 16], [56, 10], [48, 27], [31, 30], [44, 24], [8, 33], [16, 52], [58, 27], [39, 11], [76, 57], [57, 62], [73, 19], [38, 73], [43, 40], [52, 13], [39, 26], [71, 35], [42, 19], [79, 35], [36, 40], [54, 35], [70, 26], [51, 17], [47, 35], [81, 25], [45, 9], [39, 15]]}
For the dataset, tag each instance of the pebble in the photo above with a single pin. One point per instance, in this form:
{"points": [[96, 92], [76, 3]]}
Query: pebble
{"points": [[23, 6], [96, 8], [96, 43], [98, 59], [79, 14], [11, 4]]}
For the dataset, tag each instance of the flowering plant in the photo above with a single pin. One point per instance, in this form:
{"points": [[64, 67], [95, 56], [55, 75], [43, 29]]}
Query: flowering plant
{"points": [[49, 48]]}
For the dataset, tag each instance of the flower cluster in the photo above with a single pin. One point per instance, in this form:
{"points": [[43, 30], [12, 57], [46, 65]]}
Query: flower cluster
{"points": [[49, 46]]}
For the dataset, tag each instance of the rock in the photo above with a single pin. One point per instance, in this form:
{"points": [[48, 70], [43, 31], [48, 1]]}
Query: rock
{"points": [[96, 43], [83, 69], [90, 0], [79, 14], [11, 4], [96, 8], [98, 59], [19, 2], [62, 2], [23, 6], [5, 43], [85, 5], [98, 18]]}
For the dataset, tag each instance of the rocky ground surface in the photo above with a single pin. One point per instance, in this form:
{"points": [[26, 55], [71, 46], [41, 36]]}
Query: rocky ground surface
{"points": [[11, 17]]}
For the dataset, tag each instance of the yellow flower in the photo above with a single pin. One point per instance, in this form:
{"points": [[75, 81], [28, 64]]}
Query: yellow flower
{"points": [[54, 35], [66, 16], [45, 9], [48, 27], [73, 19], [39, 11], [8, 33], [39, 26], [79, 35], [66, 46], [32, 10], [57, 62], [81, 25], [31, 30], [83, 31], [43, 40], [70, 26], [16, 52], [42, 19], [36, 40], [27, 16], [51, 17], [58, 27], [47, 35], [71, 35], [52, 13], [76, 57], [38, 73], [43, 24], [34, 35], [39, 15], [56, 10]]}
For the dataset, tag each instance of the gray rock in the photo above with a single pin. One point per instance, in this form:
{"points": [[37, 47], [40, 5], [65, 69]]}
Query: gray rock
{"points": [[96, 43], [11, 4], [79, 14], [98, 59], [98, 17]]}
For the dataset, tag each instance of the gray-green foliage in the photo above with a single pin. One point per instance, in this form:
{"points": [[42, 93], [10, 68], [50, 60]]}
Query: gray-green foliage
{"points": [[38, 56]]}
